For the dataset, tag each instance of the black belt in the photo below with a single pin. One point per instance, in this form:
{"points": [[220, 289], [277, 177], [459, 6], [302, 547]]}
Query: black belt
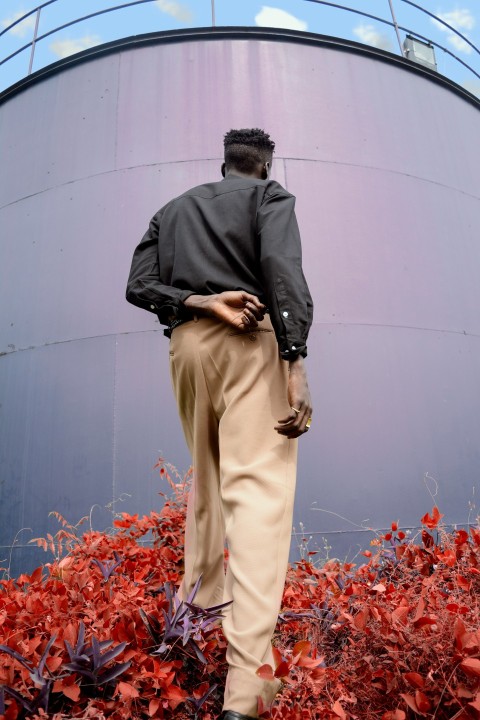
{"points": [[175, 323]]}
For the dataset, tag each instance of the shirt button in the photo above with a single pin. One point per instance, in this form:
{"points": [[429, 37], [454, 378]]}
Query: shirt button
{"points": [[285, 313], [152, 307], [293, 347]]}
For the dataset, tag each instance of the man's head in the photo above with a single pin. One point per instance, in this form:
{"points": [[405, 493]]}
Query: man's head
{"points": [[248, 152]]}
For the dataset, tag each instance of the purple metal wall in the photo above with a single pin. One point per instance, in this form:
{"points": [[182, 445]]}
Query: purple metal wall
{"points": [[385, 165]]}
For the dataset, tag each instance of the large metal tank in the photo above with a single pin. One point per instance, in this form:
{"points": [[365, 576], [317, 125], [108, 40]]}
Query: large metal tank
{"points": [[384, 159]]}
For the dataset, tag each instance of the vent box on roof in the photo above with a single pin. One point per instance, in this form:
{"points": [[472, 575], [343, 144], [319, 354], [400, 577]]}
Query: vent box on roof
{"points": [[419, 52]]}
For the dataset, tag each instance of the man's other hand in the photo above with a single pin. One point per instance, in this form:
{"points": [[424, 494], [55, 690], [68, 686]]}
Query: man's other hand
{"points": [[237, 308], [298, 420]]}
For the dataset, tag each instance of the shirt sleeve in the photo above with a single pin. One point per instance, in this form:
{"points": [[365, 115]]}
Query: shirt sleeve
{"points": [[144, 288], [286, 290]]}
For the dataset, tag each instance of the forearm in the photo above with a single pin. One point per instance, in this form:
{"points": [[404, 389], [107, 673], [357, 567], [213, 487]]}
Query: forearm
{"points": [[297, 366], [233, 307]]}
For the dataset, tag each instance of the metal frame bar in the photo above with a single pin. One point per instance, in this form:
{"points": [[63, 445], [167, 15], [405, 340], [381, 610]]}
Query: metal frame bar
{"points": [[442, 22], [34, 41], [132, 3]]}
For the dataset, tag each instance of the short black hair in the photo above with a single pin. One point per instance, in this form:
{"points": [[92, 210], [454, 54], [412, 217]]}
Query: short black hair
{"points": [[245, 148]]}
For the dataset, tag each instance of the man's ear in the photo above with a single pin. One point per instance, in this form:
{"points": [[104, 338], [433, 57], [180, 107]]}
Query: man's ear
{"points": [[265, 171], [223, 169]]}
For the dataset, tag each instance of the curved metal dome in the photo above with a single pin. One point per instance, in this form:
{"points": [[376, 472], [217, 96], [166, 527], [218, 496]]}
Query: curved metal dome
{"points": [[384, 160]]}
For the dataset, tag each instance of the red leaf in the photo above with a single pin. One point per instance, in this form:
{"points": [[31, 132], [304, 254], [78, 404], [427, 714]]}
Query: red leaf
{"points": [[302, 647], [431, 521], [423, 703], [425, 620], [459, 633], [36, 576], [463, 583], [53, 662], [461, 537], [266, 672], [277, 656], [72, 692], [400, 613], [308, 662], [282, 670], [420, 610], [475, 536], [153, 706], [360, 619], [175, 696], [471, 666], [394, 715], [414, 679], [427, 539], [448, 557], [410, 700], [339, 711], [126, 690]]}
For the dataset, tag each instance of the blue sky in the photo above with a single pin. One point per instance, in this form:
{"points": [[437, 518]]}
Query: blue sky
{"points": [[297, 14]]}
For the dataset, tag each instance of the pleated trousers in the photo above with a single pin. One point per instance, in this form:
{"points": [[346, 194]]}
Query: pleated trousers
{"points": [[231, 389]]}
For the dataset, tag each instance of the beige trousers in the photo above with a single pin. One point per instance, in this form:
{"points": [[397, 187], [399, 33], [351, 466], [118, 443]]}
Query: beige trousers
{"points": [[231, 389]]}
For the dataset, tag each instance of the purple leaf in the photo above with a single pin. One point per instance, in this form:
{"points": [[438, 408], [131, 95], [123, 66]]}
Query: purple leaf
{"points": [[81, 670], [95, 652], [29, 707], [112, 654], [43, 660], [17, 656], [112, 673], [199, 703]]}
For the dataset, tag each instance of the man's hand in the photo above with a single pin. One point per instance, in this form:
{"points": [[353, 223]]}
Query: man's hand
{"points": [[295, 424], [237, 308]]}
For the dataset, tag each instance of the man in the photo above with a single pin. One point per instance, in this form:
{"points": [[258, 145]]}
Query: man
{"points": [[221, 266]]}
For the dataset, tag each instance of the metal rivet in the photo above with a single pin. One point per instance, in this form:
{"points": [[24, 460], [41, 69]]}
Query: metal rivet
{"points": [[285, 313]]}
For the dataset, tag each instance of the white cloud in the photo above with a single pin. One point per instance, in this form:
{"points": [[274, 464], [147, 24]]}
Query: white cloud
{"points": [[370, 36], [22, 28], [64, 48], [175, 9], [274, 17], [462, 20], [459, 19]]}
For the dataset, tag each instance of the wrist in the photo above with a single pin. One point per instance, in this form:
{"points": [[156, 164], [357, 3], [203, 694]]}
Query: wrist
{"points": [[199, 303], [297, 365]]}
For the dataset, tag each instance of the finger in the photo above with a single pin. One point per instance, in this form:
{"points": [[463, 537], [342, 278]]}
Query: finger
{"points": [[290, 419], [254, 310], [288, 428], [296, 430], [250, 318], [295, 425], [248, 297], [306, 421], [291, 435]]}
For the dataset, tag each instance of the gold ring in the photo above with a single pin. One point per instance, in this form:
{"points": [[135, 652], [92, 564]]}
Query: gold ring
{"points": [[309, 422], [295, 410]]}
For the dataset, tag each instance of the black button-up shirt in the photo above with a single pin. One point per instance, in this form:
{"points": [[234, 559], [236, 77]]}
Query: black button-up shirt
{"points": [[236, 234]]}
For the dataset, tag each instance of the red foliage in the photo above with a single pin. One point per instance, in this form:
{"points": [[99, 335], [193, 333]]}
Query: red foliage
{"points": [[392, 639]]}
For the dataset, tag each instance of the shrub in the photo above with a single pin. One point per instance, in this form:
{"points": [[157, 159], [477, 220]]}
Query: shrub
{"points": [[99, 632]]}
